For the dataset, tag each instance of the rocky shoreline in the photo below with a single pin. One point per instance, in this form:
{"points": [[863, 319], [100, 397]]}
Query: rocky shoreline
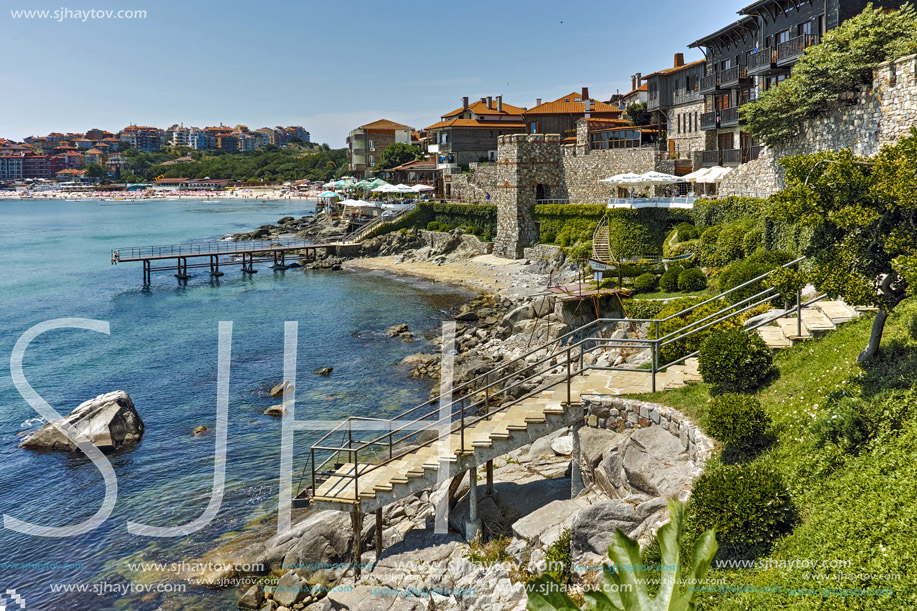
{"points": [[627, 473]]}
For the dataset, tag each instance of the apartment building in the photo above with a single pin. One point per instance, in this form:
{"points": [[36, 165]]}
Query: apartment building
{"points": [[366, 143]]}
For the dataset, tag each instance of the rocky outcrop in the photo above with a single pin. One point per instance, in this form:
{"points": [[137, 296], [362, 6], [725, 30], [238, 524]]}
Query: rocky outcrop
{"points": [[110, 422]]}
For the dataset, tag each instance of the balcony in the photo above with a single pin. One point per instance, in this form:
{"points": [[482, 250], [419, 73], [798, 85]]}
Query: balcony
{"points": [[708, 121], [729, 117], [762, 61], [733, 77], [653, 102], [731, 157], [712, 158], [709, 83], [788, 52]]}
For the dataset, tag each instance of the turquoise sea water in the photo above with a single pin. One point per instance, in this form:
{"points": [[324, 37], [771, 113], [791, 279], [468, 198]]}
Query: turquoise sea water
{"points": [[162, 350]]}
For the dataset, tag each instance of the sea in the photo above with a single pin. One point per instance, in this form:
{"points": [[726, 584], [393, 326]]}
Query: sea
{"points": [[55, 263]]}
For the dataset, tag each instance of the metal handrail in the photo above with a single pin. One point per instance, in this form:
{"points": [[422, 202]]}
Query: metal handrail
{"points": [[531, 371], [208, 247]]}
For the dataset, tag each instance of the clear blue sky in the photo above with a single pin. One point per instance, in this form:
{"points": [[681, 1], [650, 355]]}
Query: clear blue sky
{"points": [[328, 65]]}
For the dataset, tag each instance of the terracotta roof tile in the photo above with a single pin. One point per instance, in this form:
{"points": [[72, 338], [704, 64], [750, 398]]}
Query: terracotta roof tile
{"points": [[571, 104], [476, 123], [386, 125], [480, 108], [676, 69]]}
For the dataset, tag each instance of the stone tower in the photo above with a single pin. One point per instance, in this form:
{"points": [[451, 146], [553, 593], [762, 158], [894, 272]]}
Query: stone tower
{"points": [[529, 169]]}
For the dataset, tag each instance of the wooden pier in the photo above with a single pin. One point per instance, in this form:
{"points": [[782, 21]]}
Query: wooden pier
{"points": [[175, 257]]}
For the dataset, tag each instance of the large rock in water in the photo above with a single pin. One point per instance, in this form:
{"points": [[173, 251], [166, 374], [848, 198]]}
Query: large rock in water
{"points": [[109, 422]]}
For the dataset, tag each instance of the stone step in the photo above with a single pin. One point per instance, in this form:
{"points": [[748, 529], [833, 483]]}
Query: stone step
{"points": [[774, 337], [837, 312], [790, 328], [816, 322]]}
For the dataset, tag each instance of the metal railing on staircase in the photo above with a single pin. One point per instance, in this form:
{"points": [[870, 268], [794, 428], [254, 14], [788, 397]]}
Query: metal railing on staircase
{"points": [[547, 366], [357, 235]]}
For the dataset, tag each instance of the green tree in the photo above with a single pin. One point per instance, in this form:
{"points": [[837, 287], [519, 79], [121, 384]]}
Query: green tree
{"points": [[396, 154], [841, 64], [864, 220], [95, 171], [637, 114]]}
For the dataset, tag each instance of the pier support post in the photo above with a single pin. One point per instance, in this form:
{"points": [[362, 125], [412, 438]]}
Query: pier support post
{"points": [[215, 266], [490, 477], [378, 534], [146, 272], [356, 518], [472, 524], [182, 273]]}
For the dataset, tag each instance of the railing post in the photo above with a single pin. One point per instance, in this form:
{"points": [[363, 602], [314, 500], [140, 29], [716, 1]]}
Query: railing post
{"points": [[656, 347], [312, 460], [655, 355], [798, 312], [462, 429], [569, 402], [356, 475]]}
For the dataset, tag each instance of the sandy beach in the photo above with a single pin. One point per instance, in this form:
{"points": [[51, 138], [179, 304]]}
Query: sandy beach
{"points": [[481, 273]]}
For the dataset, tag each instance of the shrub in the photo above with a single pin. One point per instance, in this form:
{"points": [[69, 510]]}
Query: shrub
{"points": [[685, 232], [852, 422], [752, 241], [687, 345], [735, 418], [746, 504], [748, 269], [645, 283], [692, 280], [558, 558], [709, 212], [669, 280], [734, 361], [643, 309]]}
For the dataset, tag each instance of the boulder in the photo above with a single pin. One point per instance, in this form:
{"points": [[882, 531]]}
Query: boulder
{"points": [[594, 527], [324, 371], [290, 589], [544, 305], [275, 410], [252, 598], [656, 463], [109, 422], [563, 446], [523, 312], [326, 539], [199, 430], [396, 330], [593, 443], [467, 317], [278, 390], [544, 526]]}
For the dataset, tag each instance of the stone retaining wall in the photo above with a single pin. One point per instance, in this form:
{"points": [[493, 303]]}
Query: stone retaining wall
{"points": [[434, 239], [617, 414], [879, 116]]}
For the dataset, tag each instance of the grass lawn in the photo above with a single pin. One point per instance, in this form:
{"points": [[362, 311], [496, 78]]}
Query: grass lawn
{"points": [[857, 509]]}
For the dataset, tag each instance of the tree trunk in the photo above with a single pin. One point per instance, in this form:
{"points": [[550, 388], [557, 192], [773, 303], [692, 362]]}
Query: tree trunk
{"points": [[875, 339]]}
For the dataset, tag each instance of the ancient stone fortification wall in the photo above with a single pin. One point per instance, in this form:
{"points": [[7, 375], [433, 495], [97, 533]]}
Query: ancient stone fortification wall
{"points": [[582, 171], [880, 116]]}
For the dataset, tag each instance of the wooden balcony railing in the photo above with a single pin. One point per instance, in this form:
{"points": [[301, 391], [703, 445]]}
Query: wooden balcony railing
{"points": [[762, 61], [733, 76], [732, 157], [729, 117], [708, 121], [712, 158], [709, 83], [789, 51]]}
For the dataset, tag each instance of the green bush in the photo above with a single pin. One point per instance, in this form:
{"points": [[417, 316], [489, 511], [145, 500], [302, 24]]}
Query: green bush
{"points": [[709, 212], [752, 241], [687, 345], [734, 361], [558, 558], [669, 280], [555, 218], [746, 504], [643, 309], [734, 418], [748, 269], [684, 232], [692, 280], [481, 217], [645, 283]]}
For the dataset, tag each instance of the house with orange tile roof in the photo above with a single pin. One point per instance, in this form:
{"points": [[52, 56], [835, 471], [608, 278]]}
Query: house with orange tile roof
{"points": [[95, 156], [469, 134], [560, 116], [366, 143]]}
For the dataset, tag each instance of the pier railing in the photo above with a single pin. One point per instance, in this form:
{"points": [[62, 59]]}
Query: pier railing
{"points": [[206, 248], [512, 382]]}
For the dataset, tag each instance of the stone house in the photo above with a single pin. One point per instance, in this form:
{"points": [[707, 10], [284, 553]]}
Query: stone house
{"points": [[469, 134], [676, 103], [560, 116]]}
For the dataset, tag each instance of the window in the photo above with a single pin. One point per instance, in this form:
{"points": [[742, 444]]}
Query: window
{"points": [[534, 127], [372, 145], [783, 36], [372, 160]]}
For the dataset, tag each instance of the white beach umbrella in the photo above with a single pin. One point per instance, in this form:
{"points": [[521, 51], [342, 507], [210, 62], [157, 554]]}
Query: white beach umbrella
{"points": [[421, 188], [716, 174], [658, 178], [386, 188], [628, 178], [402, 188], [697, 176]]}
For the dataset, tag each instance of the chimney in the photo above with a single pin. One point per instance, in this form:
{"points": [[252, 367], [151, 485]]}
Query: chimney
{"points": [[537, 101], [490, 102], [585, 95], [679, 60], [483, 100], [499, 103], [465, 103]]}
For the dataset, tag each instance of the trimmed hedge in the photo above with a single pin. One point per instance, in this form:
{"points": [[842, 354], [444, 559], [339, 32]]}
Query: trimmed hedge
{"points": [[632, 233], [734, 418], [669, 280], [748, 269], [685, 346], [644, 283], [734, 361], [691, 280], [643, 309], [709, 212], [476, 219], [747, 504]]}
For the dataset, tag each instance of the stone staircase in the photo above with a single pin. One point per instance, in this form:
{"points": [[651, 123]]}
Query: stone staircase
{"points": [[820, 318], [600, 249]]}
